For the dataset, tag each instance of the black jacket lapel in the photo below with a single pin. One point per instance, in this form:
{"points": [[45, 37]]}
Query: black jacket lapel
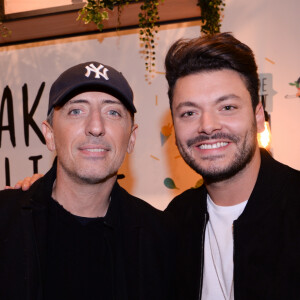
{"points": [[34, 218], [32, 262]]}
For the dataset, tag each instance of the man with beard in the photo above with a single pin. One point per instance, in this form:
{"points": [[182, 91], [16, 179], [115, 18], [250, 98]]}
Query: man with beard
{"points": [[76, 234], [241, 229]]}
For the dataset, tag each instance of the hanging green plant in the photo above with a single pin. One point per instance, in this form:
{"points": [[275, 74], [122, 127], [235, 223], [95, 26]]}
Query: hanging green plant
{"points": [[148, 23], [96, 11], [211, 15]]}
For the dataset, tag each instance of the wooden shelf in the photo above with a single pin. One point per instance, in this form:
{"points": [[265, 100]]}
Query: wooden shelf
{"points": [[49, 24]]}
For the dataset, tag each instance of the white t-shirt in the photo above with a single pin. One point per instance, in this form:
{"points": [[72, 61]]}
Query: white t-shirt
{"points": [[218, 251]]}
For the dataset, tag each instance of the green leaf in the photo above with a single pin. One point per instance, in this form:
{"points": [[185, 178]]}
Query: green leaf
{"points": [[198, 183], [100, 26], [170, 184]]}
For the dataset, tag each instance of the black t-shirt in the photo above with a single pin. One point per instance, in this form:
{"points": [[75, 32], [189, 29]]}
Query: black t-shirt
{"points": [[79, 262]]}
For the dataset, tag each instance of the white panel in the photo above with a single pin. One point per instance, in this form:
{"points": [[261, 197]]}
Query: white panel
{"points": [[17, 6]]}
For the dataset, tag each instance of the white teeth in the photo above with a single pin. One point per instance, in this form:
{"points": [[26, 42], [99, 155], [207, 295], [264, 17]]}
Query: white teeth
{"points": [[95, 150], [213, 146]]}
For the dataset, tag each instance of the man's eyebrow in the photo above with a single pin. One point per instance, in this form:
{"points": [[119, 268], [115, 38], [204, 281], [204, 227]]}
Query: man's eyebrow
{"points": [[111, 101], [218, 100], [226, 97], [74, 101], [186, 104], [105, 101]]}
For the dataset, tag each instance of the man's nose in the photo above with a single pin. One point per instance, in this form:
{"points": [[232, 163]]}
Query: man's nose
{"points": [[209, 122], [95, 124]]}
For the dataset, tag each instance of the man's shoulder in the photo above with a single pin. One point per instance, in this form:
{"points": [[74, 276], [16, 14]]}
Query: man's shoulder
{"points": [[11, 203], [134, 203], [137, 213], [279, 185], [276, 172], [189, 199], [11, 198], [271, 163], [291, 183], [294, 177]]}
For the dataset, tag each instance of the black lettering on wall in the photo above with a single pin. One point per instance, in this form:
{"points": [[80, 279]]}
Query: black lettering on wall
{"points": [[264, 100], [28, 117], [35, 160], [7, 172], [263, 84], [7, 98]]}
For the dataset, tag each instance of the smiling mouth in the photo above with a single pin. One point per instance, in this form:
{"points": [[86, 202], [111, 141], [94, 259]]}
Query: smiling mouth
{"points": [[95, 150], [213, 146]]}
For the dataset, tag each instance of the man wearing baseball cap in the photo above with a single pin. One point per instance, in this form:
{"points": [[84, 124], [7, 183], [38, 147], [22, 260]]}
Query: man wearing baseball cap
{"points": [[76, 234]]}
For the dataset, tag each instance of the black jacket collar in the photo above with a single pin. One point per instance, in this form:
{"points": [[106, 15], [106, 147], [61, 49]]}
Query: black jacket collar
{"points": [[272, 178], [41, 190]]}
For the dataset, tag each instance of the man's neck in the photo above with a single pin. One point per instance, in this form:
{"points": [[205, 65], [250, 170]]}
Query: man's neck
{"points": [[238, 188], [85, 200]]}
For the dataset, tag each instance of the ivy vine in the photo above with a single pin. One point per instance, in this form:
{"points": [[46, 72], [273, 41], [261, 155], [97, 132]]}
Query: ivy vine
{"points": [[148, 23], [211, 15], [96, 11]]}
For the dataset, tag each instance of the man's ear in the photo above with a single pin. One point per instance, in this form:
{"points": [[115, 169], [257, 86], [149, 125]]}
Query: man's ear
{"points": [[260, 117], [48, 135], [132, 138]]}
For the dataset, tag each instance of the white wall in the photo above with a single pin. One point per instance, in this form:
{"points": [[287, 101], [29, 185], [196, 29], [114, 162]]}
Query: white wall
{"points": [[16, 6]]}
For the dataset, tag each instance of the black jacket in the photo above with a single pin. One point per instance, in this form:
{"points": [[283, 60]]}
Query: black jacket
{"points": [[139, 237], [266, 237]]}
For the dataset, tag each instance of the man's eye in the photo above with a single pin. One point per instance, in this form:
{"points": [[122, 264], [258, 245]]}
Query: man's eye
{"points": [[187, 114], [114, 113], [228, 107], [75, 111]]}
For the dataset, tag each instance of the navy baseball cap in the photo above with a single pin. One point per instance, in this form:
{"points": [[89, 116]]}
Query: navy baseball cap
{"points": [[90, 76]]}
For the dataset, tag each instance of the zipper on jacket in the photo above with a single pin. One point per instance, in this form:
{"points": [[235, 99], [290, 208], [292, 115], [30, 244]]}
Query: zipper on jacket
{"points": [[202, 256], [233, 251]]}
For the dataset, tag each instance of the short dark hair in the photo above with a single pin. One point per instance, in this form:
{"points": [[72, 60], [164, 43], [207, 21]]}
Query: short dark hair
{"points": [[209, 53]]}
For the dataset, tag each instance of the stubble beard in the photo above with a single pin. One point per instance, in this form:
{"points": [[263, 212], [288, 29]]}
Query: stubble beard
{"points": [[243, 156], [80, 177], [81, 174]]}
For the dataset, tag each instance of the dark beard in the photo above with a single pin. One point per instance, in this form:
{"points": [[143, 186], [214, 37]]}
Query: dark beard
{"points": [[244, 156]]}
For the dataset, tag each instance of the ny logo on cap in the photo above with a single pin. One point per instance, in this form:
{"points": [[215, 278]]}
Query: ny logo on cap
{"points": [[91, 68]]}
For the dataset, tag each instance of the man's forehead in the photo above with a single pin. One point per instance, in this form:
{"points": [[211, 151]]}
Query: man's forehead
{"points": [[91, 97]]}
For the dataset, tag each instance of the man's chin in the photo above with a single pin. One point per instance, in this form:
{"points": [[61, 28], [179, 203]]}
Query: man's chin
{"points": [[90, 179], [93, 179], [214, 175], [219, 176]]}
